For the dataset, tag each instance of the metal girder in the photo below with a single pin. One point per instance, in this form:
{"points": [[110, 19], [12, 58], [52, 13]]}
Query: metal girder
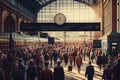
{"points": [[36, 5], [88, 2], [32, 5], [44, 2]]}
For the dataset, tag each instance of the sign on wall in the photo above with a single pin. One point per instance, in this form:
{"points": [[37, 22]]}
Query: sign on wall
{"points": [[96, 43]]}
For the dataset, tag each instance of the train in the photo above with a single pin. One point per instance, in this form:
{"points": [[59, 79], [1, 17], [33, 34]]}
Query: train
{"points": [[17, 40]]}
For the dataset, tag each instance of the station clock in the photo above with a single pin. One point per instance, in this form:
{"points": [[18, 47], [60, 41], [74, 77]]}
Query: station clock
{"points": [[59, 19]]}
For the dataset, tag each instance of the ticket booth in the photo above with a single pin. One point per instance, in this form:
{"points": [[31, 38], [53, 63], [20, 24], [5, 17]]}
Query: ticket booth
{"points": [[113, 44]]}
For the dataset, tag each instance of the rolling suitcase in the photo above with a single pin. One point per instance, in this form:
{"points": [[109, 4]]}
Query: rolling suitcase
{"points": [[70, 68]]}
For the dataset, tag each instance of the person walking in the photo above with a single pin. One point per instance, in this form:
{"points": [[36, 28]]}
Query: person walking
{"points": [[89, 72], [22, 67], [104, 60], [65, 56], [116, 71], [1, 70], [31, 70], [70, 58], [107, 73], [46, 57], [74, 55], [99, 61], [16, 73], [1, 74], [79, 62], [55, 56], [47, 74], [84, 53], [59, 72]]}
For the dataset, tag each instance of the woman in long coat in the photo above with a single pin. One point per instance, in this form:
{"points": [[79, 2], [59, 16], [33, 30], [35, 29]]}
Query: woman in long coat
{"points": [[79, 62]]}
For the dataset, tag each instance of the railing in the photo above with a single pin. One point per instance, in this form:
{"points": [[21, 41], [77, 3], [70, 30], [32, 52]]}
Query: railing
{"points": [[21, 8]]}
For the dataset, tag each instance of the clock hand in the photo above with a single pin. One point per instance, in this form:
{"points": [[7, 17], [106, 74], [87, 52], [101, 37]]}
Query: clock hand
{"points": [[59, 18]]}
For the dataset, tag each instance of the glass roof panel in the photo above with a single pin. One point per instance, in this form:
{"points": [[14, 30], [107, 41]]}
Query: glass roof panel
{"points": [[73, 10]]}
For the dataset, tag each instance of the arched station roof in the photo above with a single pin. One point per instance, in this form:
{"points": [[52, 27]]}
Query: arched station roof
{"points": [[36, 5]]}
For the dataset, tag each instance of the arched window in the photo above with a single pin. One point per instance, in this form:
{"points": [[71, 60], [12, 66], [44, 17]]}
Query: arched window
{"points": [[9, 24], [74, 12]]}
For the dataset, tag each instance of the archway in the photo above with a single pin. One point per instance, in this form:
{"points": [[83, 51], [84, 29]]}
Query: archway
{"points": [[9, 24]]}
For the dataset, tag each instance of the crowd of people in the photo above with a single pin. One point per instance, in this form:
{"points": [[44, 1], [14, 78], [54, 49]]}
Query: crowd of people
{"points": [[34, 62], [112, 69]]}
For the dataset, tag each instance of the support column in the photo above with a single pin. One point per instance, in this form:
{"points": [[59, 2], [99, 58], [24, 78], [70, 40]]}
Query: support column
{"points": [[10, 43], [114, 15], [102, 17], [17, 23], [118, 15], [0, 19], [65, 39]]}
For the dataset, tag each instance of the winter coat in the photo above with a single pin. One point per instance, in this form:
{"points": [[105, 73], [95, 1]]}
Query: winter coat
{"points": [[59, 73], [79, 60]]}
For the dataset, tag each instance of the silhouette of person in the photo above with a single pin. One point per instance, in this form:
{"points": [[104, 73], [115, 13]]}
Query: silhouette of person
{"points": [[59, 72], [89, 72], [47, 74]]}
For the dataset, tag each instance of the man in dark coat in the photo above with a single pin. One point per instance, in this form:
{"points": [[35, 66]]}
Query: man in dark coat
{"points": [[99, 61], [107, 73], [89, 71], [116, 71], [74, 56], [104, 60], [46, 57], [31, 71], [1, 74], [22, 67], [59, 72], [65, 56], [55, 56], [17, 73]]}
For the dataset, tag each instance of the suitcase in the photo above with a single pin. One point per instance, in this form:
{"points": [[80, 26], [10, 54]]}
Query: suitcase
{"points": [[70, 68]]}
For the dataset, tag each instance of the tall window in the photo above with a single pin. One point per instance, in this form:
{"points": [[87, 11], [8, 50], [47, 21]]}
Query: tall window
{"points": [[73, 10]]}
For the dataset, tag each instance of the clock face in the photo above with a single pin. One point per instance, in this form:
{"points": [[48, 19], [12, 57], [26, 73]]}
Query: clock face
{"points": [[60, 19]]}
